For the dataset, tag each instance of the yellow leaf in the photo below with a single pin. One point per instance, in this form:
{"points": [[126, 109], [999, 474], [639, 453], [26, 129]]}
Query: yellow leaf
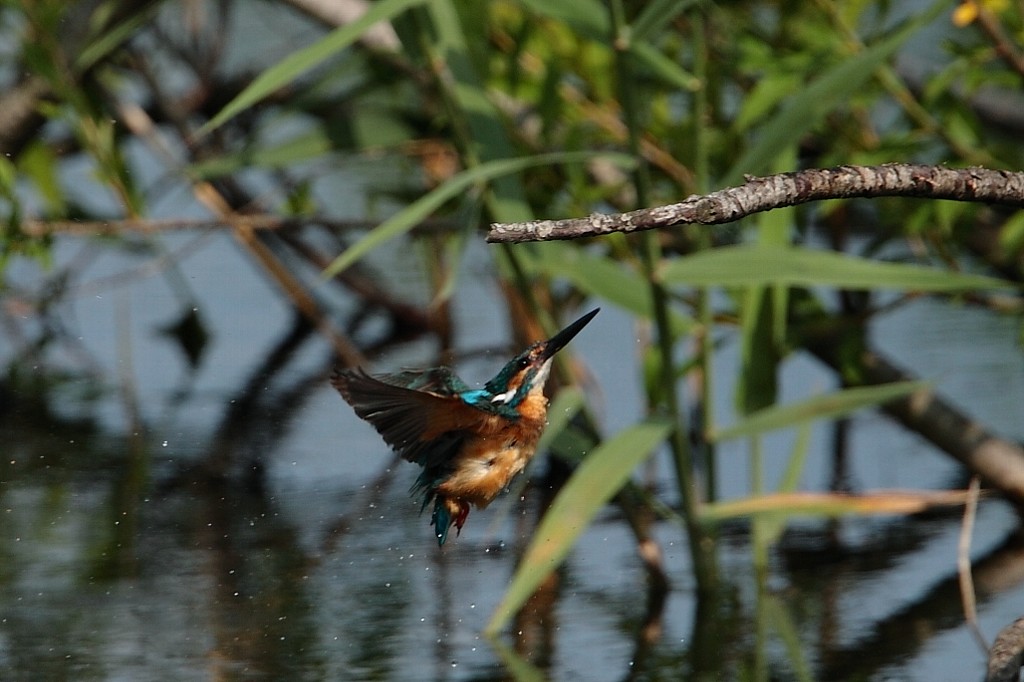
{"points": [[965, 14]]}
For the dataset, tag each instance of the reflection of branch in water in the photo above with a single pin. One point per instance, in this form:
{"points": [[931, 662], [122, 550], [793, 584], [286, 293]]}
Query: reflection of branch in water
{"points": [[902, 634], [813, 558], [998, 460], [246, 416], [261, 410], [444, 619], [407, 321], [536, 623], [260, 609], [372, 491], [640, 518]]}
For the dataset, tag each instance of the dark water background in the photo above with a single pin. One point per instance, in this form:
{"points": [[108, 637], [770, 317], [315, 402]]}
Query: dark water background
{"points": [[119, 559]]}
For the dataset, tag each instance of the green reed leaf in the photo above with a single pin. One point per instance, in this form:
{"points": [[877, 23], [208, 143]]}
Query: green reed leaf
{"points": [[827, 406], [595, 482], [297, 63], [419, 210], [747, 265], [810, 105]]}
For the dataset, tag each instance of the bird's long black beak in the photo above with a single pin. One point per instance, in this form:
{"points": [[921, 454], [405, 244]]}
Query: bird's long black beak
{"points": [[559, 340]]}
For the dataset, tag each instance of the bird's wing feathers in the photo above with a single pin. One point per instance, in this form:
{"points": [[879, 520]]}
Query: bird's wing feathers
{"points": [[439, 380], [419, 424]]}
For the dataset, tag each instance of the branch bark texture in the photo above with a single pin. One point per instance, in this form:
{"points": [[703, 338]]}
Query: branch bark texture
{"points": [[785, 189], [1007, 654]]}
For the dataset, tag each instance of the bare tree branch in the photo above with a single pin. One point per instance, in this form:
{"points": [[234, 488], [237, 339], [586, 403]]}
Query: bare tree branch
{"points": [[1007, 654], [255, 221], [786, 189]]}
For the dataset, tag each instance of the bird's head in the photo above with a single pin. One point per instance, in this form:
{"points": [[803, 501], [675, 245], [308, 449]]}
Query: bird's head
{"points": [[528, 371]]}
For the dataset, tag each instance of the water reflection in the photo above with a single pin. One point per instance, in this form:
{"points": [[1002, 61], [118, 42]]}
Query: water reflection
{"points": [[229, 581], [231, 524]]}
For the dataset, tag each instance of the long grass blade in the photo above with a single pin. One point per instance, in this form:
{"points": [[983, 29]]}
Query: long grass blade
{"points": [[782, 622], [605, 278], [563, 408], [297, 63], [520, 669], [586, 17], [829, 406], [654, 17], [414, 213], [881, 502], [770, 527], [746, 265], [304, 147], [596, 480]]}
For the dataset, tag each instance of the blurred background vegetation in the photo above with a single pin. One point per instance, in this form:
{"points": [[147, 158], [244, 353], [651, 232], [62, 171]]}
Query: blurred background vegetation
{"points": [[358, 127]]}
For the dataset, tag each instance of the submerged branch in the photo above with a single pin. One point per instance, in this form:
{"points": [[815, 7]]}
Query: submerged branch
{"points": [[1000, 462], [785, 189]]}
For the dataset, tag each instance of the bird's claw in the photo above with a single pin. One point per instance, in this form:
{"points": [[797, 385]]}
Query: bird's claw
{"points": [[460, 518]]}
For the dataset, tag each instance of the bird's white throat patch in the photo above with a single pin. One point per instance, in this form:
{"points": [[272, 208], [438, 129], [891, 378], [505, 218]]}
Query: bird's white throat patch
{"points": [[504, 398]]}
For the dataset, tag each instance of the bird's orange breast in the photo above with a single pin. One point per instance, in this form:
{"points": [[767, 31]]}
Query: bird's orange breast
{"points": [[488, 462]]}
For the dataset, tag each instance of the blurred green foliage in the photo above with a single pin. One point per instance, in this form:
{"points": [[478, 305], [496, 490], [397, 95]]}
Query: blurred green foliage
{"points": [[514, 110]]}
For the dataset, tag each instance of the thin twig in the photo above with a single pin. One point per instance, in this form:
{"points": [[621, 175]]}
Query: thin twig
{"points": [[139, 122], [785, 189], [254, 221], [1000, 41], [963, 563]]}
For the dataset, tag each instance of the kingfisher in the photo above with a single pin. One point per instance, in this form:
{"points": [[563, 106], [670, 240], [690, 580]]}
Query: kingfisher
{"points": [[470, 442]]}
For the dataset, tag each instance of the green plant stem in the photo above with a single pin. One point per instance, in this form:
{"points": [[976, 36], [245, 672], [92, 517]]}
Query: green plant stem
{"points": [[761, 537], [759, 672], [701, 172], [701, 109], [701, 552]]}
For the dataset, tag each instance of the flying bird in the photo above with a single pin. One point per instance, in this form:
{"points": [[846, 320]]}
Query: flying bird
{"points": [[470, 442]]}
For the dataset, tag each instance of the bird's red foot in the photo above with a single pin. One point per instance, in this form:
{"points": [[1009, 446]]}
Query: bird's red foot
{"points": [[460, 519]]}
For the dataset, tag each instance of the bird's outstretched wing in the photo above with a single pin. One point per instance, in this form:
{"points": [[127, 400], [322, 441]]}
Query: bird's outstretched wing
{"points": [[422, 424], [439, 380]]}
